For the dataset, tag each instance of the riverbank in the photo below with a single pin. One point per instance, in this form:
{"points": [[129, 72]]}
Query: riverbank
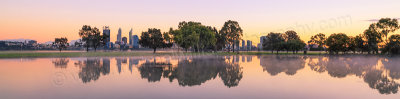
{"points": [[34, 54]]}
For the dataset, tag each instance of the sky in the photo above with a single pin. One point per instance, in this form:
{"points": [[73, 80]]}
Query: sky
{"points": [[44, 20]]}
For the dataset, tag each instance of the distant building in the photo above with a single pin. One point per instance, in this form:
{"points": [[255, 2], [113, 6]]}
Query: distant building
{"points": [[130, 37], [249, 45], [32, 42], [243, 45], [119, 36], [124, 41], [106, 33], [262, 38], [135, 41]]}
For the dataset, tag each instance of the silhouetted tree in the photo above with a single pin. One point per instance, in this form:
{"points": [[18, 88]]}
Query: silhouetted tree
{"points": [[61, 43], [273, 42], [338, 42], [233, 32], [91, 36], [153, 39]]}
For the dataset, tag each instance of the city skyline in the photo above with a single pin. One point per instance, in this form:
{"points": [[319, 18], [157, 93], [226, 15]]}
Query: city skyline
{"points": [[45, 20]]}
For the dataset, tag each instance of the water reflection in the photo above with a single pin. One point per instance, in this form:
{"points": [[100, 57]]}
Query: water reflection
{"points": [[93, 68], [277, 64], [378, 73], [193, 71], [61, 62]]}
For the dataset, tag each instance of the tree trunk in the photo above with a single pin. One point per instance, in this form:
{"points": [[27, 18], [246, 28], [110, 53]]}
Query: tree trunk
{"points": [[233, 47]]}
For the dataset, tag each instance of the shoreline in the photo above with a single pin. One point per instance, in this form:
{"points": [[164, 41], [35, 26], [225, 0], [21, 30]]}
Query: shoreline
{"points": [[33, 54]]}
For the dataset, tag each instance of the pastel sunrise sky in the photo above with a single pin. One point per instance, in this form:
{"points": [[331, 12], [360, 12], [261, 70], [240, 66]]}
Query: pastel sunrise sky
{"points": [[44, 20]]}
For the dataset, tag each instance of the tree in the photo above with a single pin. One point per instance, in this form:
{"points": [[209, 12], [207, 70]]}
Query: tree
{"points": [[393, 47], [292, 42], [153, 39], [373, 38], [377, 31], [233, 32], [273, 42], [194, 35], [60, 43], [358, 43], [337, 42], [291, 35], [220, 39], [294, 45], [318, 39], [387, 25], [91, 36]]}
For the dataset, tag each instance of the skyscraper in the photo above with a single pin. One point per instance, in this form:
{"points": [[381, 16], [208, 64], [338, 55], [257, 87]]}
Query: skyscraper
{"points": [[262, 38], [130, 37], [119, 39], [135, 41], [106, 33], [243, 45], [248, 45]]}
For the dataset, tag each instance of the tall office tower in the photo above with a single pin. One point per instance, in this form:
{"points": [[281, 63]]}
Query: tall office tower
{"points": [[248, 45], [262, 38], [119, 39], [135, 41], [106, 33], [243, 45], [130, 37]]}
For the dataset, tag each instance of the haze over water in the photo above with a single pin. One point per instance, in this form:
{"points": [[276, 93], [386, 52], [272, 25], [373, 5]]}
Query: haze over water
{"points": [[201, 77]]}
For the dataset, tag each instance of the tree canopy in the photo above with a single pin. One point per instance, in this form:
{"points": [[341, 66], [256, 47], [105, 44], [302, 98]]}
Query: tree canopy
{"points": [[233, 32], [60, 43], [91, 36], [153, 39]]}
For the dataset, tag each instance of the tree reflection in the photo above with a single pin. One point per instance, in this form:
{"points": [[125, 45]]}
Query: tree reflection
{"points": [[195, 71], [393, 65], [92, 68], [60, 62], [364, 67], [153, 71], [277, 64]]}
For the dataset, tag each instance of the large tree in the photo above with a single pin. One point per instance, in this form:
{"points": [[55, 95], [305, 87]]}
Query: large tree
{"points": [[91, 36], [377, 31], [193, 35], [292, 42], [387, 25], [273, 41], [318, 39], [291, 35], [153, 39], [393, 47], [233, 32], [338, 42], [60, 43]]}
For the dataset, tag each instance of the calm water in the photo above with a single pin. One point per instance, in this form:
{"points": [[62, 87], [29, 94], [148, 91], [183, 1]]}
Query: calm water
{"points": [[202, 77]]}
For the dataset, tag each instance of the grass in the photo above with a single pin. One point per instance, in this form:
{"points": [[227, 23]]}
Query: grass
{"points": [[33, 54]]}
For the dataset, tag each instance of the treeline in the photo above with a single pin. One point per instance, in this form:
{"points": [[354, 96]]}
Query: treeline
{"points": [[288, 41], [374, 40], [195, 36]]}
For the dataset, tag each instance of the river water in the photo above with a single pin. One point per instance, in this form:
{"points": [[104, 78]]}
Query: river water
{"points": [[201, 77]]}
